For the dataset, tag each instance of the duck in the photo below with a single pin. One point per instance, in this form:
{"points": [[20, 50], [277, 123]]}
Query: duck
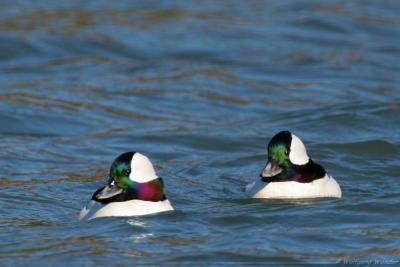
{"points": [[133, 189], [291, 174]]}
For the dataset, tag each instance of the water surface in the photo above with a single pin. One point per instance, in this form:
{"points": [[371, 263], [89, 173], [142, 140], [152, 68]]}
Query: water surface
{"points": [[200, 89]]}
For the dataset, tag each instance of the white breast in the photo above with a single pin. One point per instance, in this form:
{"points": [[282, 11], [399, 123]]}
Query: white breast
{"points": [[133, 207], [324, 187]]}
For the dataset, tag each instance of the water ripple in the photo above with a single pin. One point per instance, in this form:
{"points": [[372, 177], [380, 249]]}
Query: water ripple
{"points": [[200, 89]]}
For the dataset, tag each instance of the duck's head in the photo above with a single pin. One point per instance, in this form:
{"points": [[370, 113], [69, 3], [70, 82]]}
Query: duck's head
{"points": [[285, 150], [130, 174]]}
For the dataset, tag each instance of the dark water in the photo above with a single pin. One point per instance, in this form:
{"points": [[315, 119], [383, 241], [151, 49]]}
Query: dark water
{"points": [[199, 87]]}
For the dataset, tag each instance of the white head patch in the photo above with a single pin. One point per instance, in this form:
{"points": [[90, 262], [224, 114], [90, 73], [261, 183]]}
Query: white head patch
{"points": [[298, 153], [142, 170]]}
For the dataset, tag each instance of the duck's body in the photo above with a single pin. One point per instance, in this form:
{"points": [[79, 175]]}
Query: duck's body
{"points": [[290, 173], [133, 189], [323, 187], [128, 208]]}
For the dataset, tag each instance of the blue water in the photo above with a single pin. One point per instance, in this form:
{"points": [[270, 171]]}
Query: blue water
{"points": [[200, 88]]}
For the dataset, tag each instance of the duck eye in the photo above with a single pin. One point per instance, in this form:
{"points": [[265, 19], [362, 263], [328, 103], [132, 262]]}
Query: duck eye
{"points": [[286, 153], [127, 172]]}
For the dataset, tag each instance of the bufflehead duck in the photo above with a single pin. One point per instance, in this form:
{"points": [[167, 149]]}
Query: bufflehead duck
{"points": [[133, 189], [290, 173]]}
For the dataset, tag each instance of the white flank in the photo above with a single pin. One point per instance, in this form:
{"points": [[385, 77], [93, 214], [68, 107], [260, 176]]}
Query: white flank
{"points": [[324, 187], [128, 208]]}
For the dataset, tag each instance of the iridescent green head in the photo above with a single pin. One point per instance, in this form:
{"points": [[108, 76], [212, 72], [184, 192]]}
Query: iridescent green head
{"points": [[120, 171], [285, 150], [279, 154], [132, 176]]}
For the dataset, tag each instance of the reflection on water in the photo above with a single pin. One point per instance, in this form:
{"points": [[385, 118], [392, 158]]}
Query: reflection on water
{"points": [[200, 88]]}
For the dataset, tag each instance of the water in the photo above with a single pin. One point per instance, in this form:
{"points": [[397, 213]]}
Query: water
{"points": [[200, 89]]}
